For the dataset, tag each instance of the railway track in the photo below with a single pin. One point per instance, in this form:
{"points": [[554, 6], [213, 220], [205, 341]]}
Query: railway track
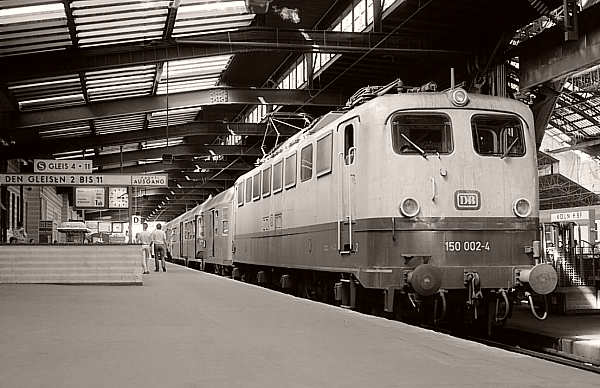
{"points": [[544, 353]]}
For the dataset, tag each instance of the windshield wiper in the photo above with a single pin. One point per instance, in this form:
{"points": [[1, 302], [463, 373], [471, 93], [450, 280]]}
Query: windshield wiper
{"points": [[416, 147], [509, 148]]}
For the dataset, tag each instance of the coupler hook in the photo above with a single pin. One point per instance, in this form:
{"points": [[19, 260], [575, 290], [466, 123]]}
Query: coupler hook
{"points": [[504, 294], [442, 295], [532, 307], [474, 291]]}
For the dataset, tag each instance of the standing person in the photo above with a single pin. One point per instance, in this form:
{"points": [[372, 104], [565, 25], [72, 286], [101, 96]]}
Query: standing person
{"points": [[19, 233], [159, 240], [145, 238]]}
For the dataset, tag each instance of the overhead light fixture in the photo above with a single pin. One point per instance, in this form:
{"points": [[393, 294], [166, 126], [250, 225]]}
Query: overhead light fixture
{"points": [[178, 186], [172, 192]]}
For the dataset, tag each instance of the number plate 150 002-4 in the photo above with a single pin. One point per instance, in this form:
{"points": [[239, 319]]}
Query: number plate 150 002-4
{"points": [[467, 246]]}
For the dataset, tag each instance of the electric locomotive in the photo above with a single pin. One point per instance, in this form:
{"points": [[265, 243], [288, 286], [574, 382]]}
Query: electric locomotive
{"points": [[414, 202], [417, 204]]}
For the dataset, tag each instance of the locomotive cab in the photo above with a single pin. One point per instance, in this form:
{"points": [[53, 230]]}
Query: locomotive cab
{"points": [[451, 202]]}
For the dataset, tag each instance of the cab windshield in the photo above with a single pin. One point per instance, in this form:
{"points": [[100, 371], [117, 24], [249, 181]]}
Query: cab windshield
{"points": [[498, 135], [422, 133]]}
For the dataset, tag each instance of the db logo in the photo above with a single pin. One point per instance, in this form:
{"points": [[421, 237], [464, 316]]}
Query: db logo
{"points": [[467, 200], [41, 165]]}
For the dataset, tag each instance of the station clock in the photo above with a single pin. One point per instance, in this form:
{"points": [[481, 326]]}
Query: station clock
{"points": [[118, 198]]}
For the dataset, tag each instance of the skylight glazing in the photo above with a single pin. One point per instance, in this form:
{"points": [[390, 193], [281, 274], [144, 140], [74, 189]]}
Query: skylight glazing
{"points": [[107, 150], [192, 74], [120, 83], [32, 25], [120, 124], [176, 116], [65, 130], [159, 143], [196, 17], [49, 92], [100, 22], [74, 154]]}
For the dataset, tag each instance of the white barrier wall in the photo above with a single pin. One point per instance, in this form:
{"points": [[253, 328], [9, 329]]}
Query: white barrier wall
{"points": [[71, 264]]}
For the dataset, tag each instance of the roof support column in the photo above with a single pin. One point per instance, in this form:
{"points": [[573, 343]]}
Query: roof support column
{"points": [[377, 11], [310, 69], [542, 109]]}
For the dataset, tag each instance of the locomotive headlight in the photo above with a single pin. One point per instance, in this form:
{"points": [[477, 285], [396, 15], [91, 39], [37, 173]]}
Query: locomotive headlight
{"points": [[522, 207], [459, 97], [409, 207]]}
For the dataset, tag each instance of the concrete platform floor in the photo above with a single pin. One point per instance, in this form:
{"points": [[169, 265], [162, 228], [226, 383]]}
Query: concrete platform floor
{"points": [[185, 328]]}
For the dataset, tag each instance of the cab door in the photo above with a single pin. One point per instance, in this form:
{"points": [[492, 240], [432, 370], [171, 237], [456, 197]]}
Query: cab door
{"points": [[347, 135]]}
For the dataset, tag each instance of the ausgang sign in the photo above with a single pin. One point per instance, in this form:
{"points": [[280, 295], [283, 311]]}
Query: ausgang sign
{"points": [[84, 180], [62, 166]]}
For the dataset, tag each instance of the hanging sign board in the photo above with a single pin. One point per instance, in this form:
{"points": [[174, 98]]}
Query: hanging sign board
{"points": [[90, 197], [570, 216], [62, 166], [122, 180], [105, 227]]}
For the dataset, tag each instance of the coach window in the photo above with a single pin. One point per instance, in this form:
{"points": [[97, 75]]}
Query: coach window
{"points": [[421, 134], [290, 171], [324, 152], [306, 163], [240, 194], [200, 226], [349, 144], [498, 135], [266, 182], [256, 187], [225, 221], [277, 176], [248, 190]]}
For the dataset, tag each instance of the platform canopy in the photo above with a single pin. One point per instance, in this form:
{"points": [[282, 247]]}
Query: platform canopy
{"points": [[185, 87]]}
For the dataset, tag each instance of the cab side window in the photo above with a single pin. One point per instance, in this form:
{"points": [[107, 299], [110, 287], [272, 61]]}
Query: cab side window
{"points": [[306, 163], [290, 171], [266, 182], [240, 194], [349, 144], [248, 190], [277, 176]]}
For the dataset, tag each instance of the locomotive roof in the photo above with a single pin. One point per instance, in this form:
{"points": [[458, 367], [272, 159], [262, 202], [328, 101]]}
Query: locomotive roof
{"points": [[401, 101]]}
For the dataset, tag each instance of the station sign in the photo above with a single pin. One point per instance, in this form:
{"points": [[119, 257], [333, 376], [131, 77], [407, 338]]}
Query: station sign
{"points": [[90, 197], [158, 180], [570, 216], [45, 166]]}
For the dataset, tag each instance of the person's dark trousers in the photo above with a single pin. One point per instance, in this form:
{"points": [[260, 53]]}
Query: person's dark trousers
{"points": [[159, 254]]}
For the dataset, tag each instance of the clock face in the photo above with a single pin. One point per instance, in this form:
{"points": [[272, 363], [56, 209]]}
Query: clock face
{"points": [[118, 198]]}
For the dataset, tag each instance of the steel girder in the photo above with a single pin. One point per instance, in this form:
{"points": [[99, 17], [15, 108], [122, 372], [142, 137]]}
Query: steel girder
{"points": [[214, 96], [27, 142], [251, 39], [179, 165], [190, 150], [547, 57]]}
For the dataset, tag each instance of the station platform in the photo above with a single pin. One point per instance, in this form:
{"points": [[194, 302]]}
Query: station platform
{"points": [[573, 335], [185, 328]]}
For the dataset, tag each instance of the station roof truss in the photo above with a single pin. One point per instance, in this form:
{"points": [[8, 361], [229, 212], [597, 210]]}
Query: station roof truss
{"points": [[186, 86]]}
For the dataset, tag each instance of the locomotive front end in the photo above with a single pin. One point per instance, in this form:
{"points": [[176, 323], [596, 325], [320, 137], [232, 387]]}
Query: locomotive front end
{"points": [[461, 176]]}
